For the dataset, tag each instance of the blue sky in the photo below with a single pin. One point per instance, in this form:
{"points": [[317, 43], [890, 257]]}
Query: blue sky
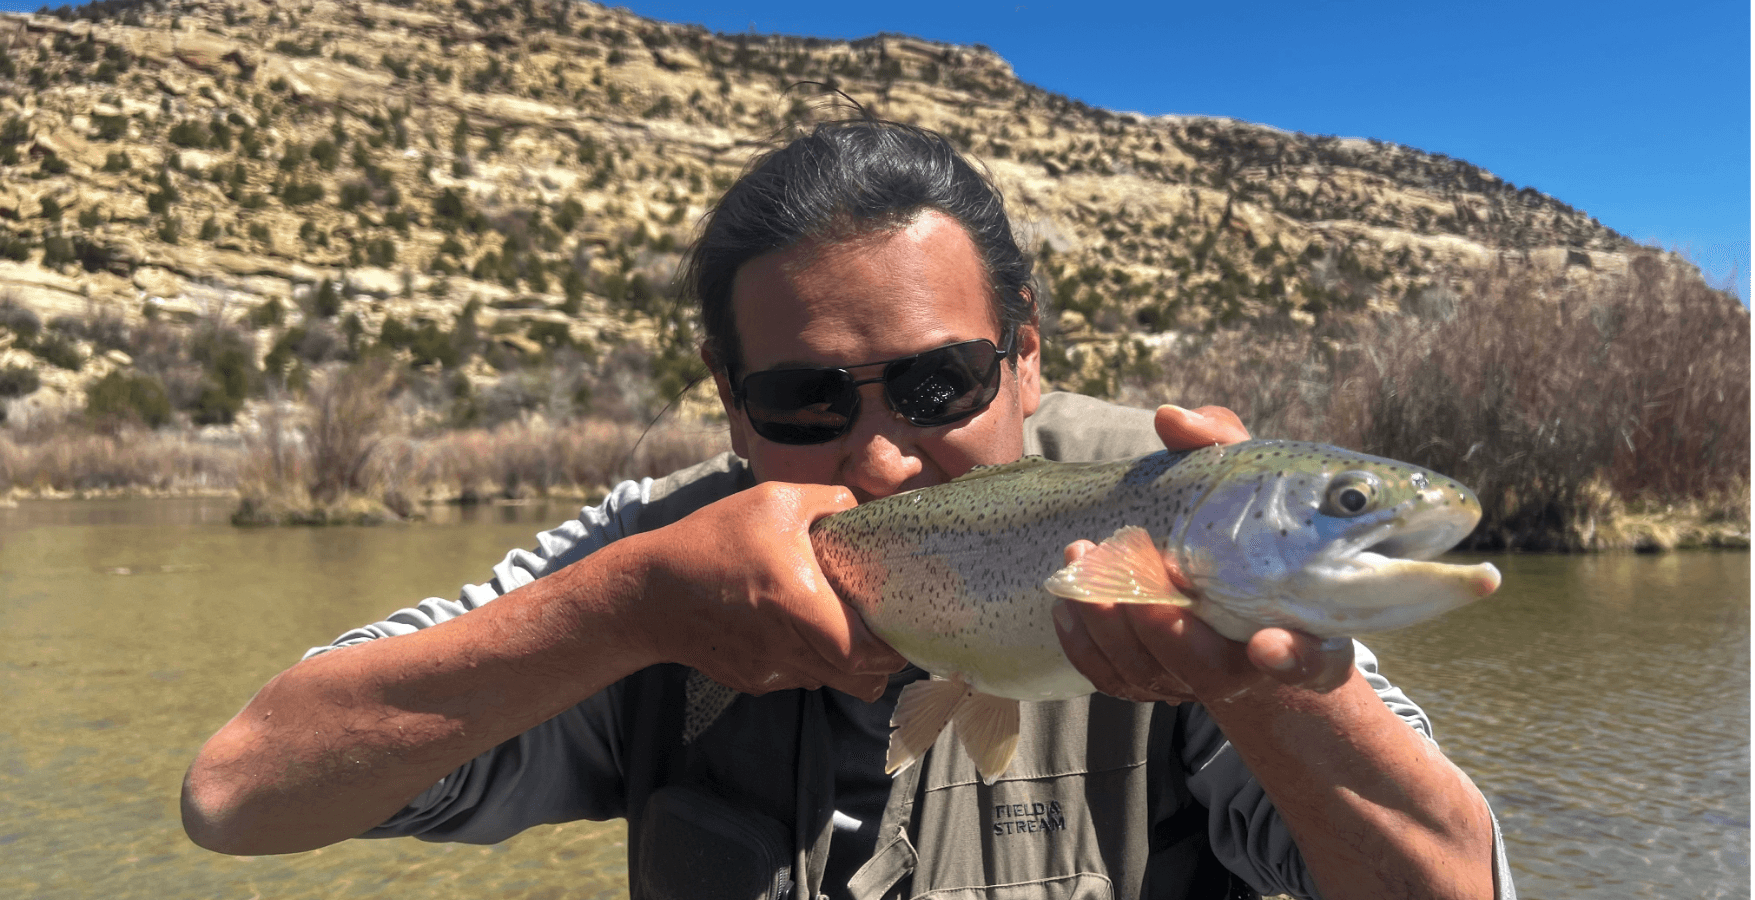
{"points": [[1635, 113]]}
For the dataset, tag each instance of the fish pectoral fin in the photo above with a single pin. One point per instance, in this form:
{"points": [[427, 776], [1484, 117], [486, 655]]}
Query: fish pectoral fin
{"points": [[987, 726], [921, 713], [1126, 568]]}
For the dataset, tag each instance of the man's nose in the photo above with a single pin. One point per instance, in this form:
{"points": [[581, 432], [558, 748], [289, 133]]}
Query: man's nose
{"points": [[882, 457]]}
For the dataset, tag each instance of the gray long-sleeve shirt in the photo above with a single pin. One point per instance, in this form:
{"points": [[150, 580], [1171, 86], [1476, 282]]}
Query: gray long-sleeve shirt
{"points": [[573, 766]]}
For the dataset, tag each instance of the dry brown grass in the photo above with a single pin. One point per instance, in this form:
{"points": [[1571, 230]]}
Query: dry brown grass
{"points": [[536, 459], [341, 459], [72, 461], [1585, 419], [1532, 392]]}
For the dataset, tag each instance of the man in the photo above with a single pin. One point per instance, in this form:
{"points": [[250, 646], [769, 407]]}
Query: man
{"points": [[871, 329]]}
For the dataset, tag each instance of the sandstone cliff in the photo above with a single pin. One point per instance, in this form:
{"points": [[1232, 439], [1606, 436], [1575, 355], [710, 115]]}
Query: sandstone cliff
{"points": [[483, 187]]}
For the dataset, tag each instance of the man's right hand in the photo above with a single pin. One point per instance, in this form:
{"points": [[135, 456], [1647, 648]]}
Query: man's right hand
{"points": [[736, 592], [337, 743]]}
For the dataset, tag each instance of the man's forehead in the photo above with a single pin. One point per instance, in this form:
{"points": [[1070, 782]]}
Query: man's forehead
{"points": [[872, 292], [847, 235]]}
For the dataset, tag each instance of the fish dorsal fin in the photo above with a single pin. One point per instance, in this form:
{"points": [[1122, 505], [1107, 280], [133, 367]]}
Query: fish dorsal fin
{"points": [[1022, 465]]}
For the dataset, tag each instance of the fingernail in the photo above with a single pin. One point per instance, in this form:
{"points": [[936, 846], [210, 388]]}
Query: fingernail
{"points": [[1178, 409], [1063, 617], [1286, 665]]}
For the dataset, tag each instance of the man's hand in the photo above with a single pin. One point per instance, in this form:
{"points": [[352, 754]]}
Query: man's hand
{"points": [[1161, 652], [1375, 808], [739, 595], [1189, 429]]}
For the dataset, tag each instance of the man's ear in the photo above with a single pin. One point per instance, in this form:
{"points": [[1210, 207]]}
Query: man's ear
{"points": [[734, 417], [1029, 355]]}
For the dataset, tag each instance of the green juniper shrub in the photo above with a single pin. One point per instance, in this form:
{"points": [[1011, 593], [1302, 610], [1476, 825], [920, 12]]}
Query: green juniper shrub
{"points": [[18, 381], [58, 350], [381, 252], [551, 335], [189, 133], [15, 247], [266, 315], [58, 251], [299, 193], [326, 301], [326, 155], [424, 341], [231, 374], [123, 396]]}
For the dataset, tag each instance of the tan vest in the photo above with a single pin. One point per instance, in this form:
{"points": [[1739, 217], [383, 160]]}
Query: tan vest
{"points": [[732, 795]]}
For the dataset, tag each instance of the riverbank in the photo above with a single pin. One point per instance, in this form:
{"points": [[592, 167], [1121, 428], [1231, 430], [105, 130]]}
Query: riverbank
{"points": [[401, 477], [293, 470], [1585, 417]]}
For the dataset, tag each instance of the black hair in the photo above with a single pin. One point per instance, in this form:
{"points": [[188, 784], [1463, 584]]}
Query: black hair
{"points": [[847, 178]]}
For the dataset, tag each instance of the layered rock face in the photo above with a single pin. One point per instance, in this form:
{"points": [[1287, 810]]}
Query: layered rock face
{"points": [[477, 186]]}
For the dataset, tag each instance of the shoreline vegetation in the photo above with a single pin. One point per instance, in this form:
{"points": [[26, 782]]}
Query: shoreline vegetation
{"points": [[1591, 419]]}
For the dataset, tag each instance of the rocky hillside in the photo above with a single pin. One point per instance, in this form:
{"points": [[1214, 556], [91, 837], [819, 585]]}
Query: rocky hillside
{"points": [[202, 200]]}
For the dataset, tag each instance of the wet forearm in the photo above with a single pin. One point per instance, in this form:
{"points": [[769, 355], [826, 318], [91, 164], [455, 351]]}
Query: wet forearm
{"points": [[336, 744], [1376, 809]]}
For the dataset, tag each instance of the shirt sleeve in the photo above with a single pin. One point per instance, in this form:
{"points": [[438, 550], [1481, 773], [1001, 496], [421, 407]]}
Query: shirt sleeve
{"points": [[567, 768], [1244, 829]]}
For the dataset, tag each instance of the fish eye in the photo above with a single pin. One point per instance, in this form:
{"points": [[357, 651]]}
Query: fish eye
{"points": [[1350, 494]]}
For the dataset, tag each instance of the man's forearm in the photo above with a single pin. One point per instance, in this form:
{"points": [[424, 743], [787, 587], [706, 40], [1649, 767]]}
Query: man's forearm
{"points": [[1376, 809], [339, 742]]}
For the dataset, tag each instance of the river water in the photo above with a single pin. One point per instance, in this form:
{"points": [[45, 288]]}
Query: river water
{"points": [[1602, 703]]}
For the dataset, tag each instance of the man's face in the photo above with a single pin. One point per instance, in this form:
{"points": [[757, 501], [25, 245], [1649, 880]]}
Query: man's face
{"points": [[871, 298]]}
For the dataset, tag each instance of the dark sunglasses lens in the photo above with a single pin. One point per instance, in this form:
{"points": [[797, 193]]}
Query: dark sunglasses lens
{"points": [[800, 406], [944, 385]]}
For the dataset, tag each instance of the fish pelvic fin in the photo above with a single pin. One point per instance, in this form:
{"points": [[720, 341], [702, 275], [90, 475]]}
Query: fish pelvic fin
{"points": [[987, 727], [922, 711], [1126, 568]]}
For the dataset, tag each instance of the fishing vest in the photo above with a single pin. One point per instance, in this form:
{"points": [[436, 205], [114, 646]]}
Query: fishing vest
{"points": [[732, 795]]}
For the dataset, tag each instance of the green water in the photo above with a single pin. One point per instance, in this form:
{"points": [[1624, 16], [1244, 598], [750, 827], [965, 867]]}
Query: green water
{"points": [[1602, 703]]}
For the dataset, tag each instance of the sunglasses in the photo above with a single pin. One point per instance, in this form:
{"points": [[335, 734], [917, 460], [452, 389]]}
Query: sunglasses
{"points": [[813, 406]]}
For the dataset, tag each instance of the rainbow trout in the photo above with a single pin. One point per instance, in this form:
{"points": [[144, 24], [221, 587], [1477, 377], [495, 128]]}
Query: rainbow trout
{"points": [[961, 578]]}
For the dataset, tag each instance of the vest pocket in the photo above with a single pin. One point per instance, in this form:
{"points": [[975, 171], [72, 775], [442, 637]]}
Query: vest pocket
{"points": [[696, 846], [896, 859]]}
